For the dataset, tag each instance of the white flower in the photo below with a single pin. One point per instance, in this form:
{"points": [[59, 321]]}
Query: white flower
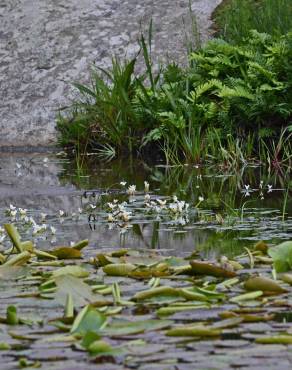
{"points": [[43, 216], [13, 213], [147, 198], [161, 202], [270, 188], [131, 190], [12, 208], [22, 211], [112, 205], [261, 184], [37, 229], [61, 213], [92, 206], [174, 198], [2, 230], [247, 187], [110, 218], [247, 193], [146, 186], [201, 199], [197, 186], [45, 160], [80, 210], [123, 183], [53, 230], [125, 216], [18, 165]]}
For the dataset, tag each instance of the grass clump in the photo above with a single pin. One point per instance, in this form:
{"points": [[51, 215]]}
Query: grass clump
{"points": [[235, 18], [232, 103]]}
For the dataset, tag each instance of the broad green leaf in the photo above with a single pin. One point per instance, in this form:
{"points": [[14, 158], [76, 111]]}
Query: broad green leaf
{"points": [[88, 320], [76, 271], [81, 293], [264, 284], [246, 296], [63, 253], [207, 268], [135, 327], [282, 256]]}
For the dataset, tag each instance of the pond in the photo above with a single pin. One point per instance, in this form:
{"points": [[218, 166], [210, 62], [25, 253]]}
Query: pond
{"points": [[210, 213]]}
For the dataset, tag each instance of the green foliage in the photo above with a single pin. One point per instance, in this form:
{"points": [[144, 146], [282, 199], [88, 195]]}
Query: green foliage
{"points": [[233, 101], [235, 18]]}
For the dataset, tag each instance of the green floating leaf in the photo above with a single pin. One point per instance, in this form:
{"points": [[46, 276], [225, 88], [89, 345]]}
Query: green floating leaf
{"points": [[119, 269], [76, 271], [88, 320], [287, 278], [63, 253], [80, 245], [195, 331], [135, 327], [282, 256], [264, 284], [4, 346], [81, 293], [102, 348], [278, 339], [207, 268], [11, 315], [246, 296], [18, 260]]}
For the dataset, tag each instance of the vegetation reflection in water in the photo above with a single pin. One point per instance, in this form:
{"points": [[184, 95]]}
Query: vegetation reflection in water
{"points": [[237, 208]]}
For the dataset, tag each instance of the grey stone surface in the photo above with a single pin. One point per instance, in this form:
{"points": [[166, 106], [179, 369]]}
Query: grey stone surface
{"points": [[46, 44]]}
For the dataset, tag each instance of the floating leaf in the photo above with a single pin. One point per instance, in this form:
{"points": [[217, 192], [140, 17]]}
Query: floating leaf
{"points": [[207, 268], [282, 256], [63, 253], [119, 269], [102, 348], [264, 284], [80, 245], [80, 292], [287, 278], [76, 271], [277, 339], [88, 319], [18, 260], [195, 331], [135, 327], [246, 296], [11, 315]]}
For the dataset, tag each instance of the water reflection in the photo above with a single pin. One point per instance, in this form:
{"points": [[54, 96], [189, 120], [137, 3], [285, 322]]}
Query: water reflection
{"points": [[239, 208]]}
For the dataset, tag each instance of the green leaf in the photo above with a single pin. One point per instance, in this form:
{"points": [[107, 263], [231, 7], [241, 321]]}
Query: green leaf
{"points": [[11, 315], [76, 271], [80, 293], [282, 256], [88, 320], [135, 327], [264, 284]]}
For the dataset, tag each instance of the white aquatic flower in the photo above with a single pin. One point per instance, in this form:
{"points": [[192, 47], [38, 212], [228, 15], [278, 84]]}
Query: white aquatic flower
{"points": [[73, 214], [112, 205], [37, 229], [53, 230], [92, 206], [147, 198], [123, 183], [270, 188], [174, 198], [247, 187], [261, 184], [146, 186], [13, 213], [125, 216], [115, 201], [201, 199], [131, 190], [80, 210], [61, 213], [22, 211], [161, 202], [45, 160], [110, 218], [31, 221], [197, 186], [43, 216], [12, 207], [247, 194], [18, 165]]}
